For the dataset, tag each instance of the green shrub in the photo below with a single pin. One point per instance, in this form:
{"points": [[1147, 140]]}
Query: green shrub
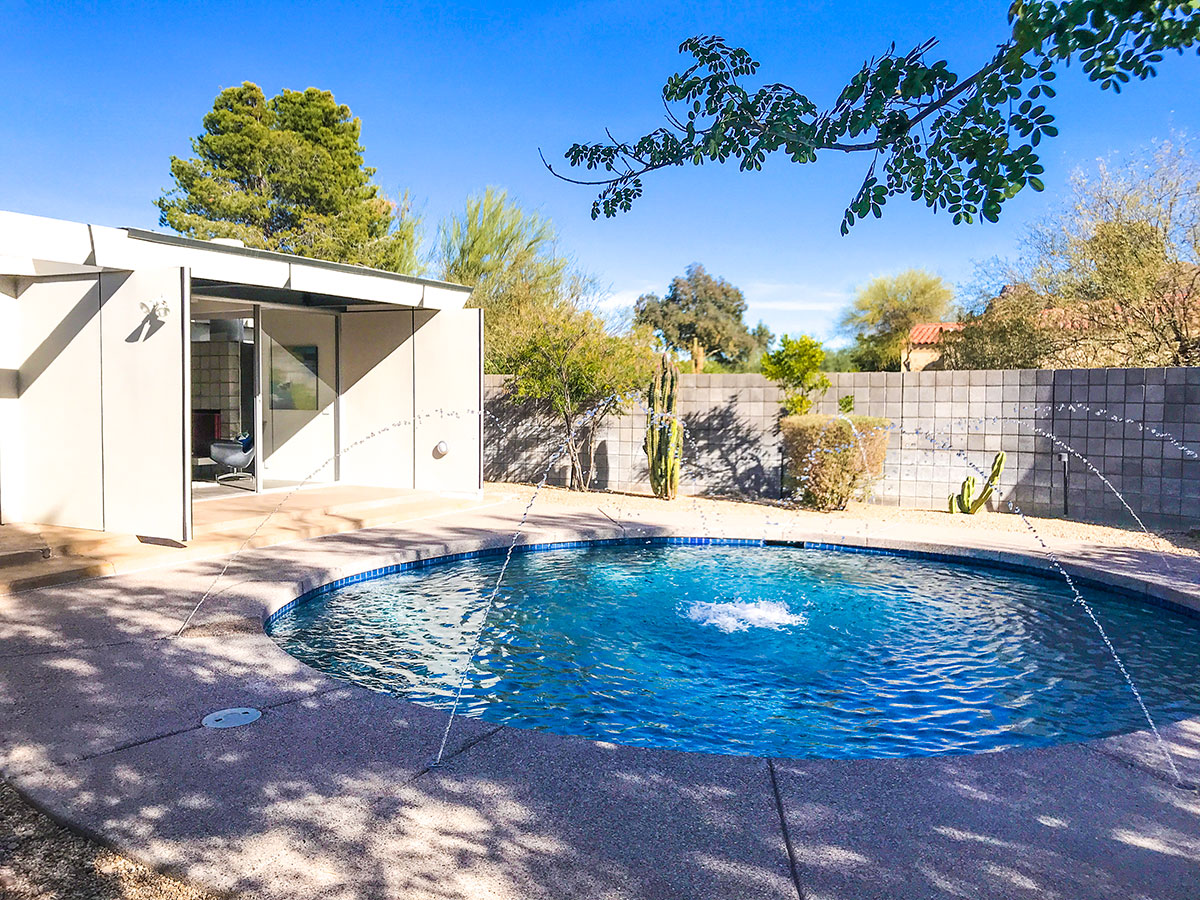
{"points": [[828, 459], [796, 366]]}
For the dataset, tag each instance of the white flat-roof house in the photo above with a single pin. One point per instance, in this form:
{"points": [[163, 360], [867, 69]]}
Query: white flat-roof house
{"points": [[126, 354]]}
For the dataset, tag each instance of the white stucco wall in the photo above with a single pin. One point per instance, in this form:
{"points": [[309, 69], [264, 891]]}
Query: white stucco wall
{"points": [[144, 403], [423, 370], [10, 361], [377, 397], [448, 366], [94, 438], [50, 456]]}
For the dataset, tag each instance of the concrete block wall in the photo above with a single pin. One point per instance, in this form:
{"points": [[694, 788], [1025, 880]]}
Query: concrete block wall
{"points": [[1159, 476], [732, 445], [216, 382], [946, 425], [949, 425]]}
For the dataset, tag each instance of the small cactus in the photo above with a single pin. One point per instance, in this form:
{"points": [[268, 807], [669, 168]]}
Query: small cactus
{"points": [[664, 434], [965, 500]]}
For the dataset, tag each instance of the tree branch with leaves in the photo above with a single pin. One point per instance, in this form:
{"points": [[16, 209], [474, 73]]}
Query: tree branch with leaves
{"points": [[961, 143]]}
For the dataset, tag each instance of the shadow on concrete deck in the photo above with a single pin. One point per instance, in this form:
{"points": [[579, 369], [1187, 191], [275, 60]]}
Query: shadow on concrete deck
{"points": [[329, 794]]}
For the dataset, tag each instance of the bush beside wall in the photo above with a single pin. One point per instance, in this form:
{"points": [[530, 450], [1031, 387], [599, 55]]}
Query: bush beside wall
{"points": [[830, 458]]}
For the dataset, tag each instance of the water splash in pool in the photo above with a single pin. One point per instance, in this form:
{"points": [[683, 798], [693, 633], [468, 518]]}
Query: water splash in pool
{"points": [[742, 615]]}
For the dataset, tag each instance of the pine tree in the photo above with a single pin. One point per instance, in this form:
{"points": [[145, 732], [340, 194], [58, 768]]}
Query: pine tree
{"points": [[287, 174]]}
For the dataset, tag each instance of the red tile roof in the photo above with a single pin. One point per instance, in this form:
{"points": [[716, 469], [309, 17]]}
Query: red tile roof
{"points": [[931, 332]]}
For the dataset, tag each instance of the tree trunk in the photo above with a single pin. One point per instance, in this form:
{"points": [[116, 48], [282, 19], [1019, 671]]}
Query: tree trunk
{"points": [[589, 443], [575, 479], [698, 356]]}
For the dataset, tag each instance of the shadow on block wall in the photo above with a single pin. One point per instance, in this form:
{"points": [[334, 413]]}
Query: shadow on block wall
{"points": [[1138, 427], [725, 455], [519, 442]]}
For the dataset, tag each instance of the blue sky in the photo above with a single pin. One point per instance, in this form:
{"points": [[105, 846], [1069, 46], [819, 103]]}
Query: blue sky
{"points": [[456, 97]]}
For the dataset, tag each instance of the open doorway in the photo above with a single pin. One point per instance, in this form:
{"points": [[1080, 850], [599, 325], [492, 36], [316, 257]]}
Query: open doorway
{"points": [[223, 363]]}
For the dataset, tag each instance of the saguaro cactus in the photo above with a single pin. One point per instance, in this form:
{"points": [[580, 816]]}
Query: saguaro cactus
{"points": [[965, 502], [664, 434]]}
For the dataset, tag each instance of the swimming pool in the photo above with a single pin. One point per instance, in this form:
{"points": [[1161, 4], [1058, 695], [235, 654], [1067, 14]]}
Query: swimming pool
{"points": [[757, 650]]}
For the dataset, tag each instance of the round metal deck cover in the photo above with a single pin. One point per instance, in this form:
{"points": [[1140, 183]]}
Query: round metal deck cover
{"points": [[230, 718]]}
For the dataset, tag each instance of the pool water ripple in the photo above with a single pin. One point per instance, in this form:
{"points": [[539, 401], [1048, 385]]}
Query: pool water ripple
{"points": [[757, 650]]}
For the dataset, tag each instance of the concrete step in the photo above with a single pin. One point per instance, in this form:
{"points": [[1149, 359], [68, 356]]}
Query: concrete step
{"points": [[79, 557], [49, 572], [11, 558], [102, 544], [377, 511]]}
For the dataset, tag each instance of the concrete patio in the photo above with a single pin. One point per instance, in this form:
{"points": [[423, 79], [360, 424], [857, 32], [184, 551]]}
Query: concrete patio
{"points": [[330, 794]]}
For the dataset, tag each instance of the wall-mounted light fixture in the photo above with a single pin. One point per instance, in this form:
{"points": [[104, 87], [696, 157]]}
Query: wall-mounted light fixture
{"points": [[158, 310], [441, 449], [1065, 459]]}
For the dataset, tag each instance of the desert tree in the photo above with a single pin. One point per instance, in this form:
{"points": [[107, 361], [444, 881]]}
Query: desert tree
{"points": [[884, 312], [702, 316], [964, 142], [578, 367]]}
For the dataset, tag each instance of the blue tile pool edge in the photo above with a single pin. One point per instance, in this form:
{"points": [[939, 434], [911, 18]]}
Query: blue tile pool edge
{"points": [[961, 559]]}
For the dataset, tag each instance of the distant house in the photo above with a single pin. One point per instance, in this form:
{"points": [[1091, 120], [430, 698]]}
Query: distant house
{"points": [[924, 344]]}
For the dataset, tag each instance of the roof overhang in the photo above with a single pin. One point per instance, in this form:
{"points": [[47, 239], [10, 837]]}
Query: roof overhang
{"points": [[34, 247]]}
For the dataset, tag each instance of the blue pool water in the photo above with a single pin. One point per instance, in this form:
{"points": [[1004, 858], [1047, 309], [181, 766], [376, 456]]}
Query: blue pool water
{"points": [[778, 651]]}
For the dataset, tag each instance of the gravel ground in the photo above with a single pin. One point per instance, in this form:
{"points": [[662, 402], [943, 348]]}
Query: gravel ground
{"points": [[630, 506], [41, 860]]}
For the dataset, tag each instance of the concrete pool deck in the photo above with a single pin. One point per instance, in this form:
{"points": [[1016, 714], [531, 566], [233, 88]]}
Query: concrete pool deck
{"points": [[330, 794]]}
